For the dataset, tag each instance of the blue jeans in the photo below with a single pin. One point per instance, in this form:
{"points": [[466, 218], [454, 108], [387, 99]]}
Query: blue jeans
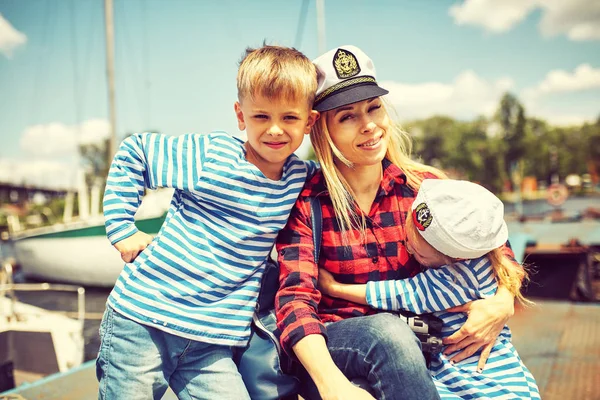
{"points": [[136, 361], [381, 351]]}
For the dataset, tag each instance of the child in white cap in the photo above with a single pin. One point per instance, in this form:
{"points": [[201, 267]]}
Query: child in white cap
{"points": [[456, 231]]}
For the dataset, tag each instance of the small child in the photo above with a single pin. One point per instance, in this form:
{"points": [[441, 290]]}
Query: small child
{"points": [[185, 299], [456, 231]]}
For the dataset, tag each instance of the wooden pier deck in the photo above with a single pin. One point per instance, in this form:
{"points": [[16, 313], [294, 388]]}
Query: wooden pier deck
{"points": [[559, 341]]}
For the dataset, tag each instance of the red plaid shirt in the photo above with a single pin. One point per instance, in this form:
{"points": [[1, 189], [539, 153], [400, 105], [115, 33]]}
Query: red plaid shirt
{"points": [[301, 309]]}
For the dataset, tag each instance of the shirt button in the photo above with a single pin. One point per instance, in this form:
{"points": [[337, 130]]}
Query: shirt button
{"points": [[164, 324], [375, 260], [155, 321]]}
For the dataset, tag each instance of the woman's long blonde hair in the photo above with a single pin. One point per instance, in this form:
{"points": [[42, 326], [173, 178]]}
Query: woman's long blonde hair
{"points": [[398, 152]]}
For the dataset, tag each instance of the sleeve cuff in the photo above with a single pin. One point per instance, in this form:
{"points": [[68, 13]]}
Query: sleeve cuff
{"points": [[121, 234]]}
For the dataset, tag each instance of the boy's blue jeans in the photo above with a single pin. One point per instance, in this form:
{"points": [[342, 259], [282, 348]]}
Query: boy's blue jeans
{"points": [[381, 351], [136, 361]]}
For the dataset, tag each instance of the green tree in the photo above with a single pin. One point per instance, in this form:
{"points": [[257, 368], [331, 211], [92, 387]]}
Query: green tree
{"points": [[511, 116]]}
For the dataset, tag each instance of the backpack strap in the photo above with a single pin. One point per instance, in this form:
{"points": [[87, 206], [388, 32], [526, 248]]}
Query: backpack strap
{"points": [[316, 218]]}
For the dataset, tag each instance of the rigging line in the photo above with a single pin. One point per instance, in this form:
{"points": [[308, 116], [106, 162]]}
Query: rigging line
{"points": [[147, 83], [93, 25], [301, 24], [129, 51], [74, 59], [35, 109]]}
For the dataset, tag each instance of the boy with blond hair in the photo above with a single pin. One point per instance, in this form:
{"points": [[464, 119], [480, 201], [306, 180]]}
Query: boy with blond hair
{"points": [[185, 299]]}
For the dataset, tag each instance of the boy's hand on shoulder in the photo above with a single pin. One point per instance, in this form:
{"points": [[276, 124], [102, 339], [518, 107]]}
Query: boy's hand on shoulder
{"points": [[131, 246]]}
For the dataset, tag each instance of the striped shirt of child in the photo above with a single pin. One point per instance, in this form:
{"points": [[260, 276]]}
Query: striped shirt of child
{"points": [[200, 276], [437, 289]]}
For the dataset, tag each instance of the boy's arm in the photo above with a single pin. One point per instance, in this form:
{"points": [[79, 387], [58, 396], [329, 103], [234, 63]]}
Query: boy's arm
{"points": [[147, 160]]}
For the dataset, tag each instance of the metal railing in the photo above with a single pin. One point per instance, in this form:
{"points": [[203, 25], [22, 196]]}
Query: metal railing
{"points": [[8, 288]]}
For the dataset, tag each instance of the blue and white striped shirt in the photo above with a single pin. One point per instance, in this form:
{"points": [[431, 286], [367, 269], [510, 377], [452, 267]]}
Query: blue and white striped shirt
{"points": [[200, 276], [434, 291]]}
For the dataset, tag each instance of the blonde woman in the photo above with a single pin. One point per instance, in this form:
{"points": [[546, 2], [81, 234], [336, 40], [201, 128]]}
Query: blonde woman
{"points": [[366, 186]]}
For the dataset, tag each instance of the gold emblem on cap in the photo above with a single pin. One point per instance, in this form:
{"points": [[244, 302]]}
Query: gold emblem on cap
{"points": [[345, 63], [422, 216]]}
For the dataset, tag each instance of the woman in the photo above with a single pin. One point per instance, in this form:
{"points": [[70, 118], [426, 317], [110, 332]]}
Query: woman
{"points": [[366, 185]]}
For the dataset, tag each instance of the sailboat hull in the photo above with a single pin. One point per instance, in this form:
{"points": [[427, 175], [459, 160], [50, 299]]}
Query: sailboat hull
{"points": [[81, 255]]}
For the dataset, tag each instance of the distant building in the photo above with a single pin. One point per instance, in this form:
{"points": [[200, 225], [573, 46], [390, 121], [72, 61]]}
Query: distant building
{"points": [[21, 195]]}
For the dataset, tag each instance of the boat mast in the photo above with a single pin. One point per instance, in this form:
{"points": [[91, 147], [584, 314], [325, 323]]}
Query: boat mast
{"points": [[321, 26], [110, 75]]}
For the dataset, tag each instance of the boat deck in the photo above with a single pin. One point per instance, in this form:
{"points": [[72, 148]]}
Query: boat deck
{"points": [[559, 341]]}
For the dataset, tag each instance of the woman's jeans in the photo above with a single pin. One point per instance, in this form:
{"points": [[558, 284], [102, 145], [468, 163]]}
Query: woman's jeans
{"points": [[383, 351], [136, 361]]}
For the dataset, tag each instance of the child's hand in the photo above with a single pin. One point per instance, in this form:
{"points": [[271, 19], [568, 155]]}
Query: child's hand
{"points": [[327, 284], [131, 246]]}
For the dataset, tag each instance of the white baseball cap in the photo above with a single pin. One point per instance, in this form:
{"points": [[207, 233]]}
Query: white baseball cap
{"points": [[345, 75], [460, 219]]}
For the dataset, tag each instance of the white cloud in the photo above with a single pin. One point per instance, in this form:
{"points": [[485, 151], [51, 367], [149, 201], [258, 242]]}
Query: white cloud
{"points": [[537, 99], [40, 173], [57, 139], [577, 19], [468, 96], [10, 38], [494, 16], [50, 153], [584, 77]]}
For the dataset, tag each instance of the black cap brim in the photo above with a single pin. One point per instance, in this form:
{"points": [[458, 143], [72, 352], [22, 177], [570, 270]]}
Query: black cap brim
{"points": [[351, 95]]}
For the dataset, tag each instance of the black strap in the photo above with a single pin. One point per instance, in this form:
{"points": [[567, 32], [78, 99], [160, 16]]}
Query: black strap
{"points": [[317, 223]]}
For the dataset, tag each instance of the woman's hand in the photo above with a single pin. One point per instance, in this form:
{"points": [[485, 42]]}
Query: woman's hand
{"points": [[327, 284], [486, 318]]}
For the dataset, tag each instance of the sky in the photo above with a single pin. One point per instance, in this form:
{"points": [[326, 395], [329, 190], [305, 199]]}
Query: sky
{"points": [[176, 64]]}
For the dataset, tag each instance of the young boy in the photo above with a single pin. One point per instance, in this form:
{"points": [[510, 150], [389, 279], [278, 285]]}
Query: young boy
{"points": [[186, 298], [456, 231]]}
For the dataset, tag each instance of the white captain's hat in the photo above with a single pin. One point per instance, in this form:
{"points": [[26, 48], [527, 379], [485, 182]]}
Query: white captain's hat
{"points": [[345, 75]]}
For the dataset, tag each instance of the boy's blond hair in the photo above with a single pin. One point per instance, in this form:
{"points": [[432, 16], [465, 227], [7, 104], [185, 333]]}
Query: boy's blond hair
{"points": [[340, 192], [276, 73], [507, 273]]}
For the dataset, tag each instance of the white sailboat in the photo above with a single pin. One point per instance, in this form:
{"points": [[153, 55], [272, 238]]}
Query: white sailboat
{"points": [[78, 251]]}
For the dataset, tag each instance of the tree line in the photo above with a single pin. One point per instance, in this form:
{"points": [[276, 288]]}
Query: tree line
{"points": [[492, 150]]}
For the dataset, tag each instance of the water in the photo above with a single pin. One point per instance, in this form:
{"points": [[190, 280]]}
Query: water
{"points": [[572, 207]]}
